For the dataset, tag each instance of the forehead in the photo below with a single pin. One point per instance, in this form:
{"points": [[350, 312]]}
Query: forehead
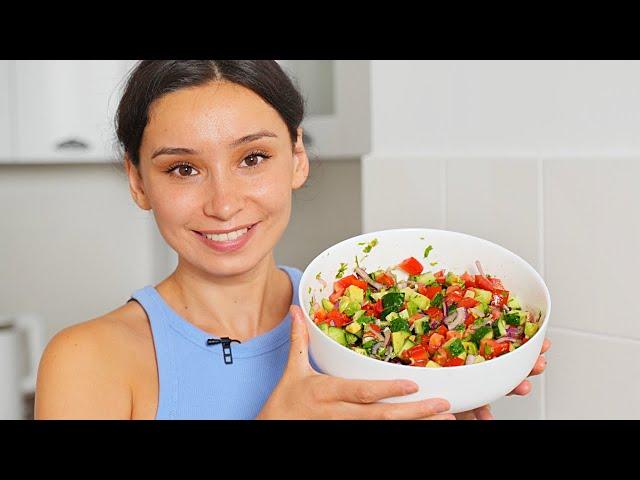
{"points": [[215, 113]]}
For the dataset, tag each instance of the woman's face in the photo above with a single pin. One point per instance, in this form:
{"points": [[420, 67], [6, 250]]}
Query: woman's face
{"points": [[218, 158]]}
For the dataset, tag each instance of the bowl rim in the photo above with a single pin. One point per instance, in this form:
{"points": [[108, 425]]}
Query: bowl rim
{"points": [[376, 361]]}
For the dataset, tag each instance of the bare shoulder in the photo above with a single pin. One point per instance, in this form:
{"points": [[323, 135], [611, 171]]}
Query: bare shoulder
{"points": [[88, 370]]}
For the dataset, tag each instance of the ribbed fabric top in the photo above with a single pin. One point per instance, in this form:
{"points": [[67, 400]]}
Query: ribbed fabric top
{"points": [[194, 380]]}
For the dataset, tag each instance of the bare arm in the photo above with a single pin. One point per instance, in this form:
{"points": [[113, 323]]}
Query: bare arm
{"points": [[80, 377]]}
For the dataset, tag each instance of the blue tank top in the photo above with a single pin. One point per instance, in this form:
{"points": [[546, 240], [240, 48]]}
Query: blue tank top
{"points": [[194, 380]]}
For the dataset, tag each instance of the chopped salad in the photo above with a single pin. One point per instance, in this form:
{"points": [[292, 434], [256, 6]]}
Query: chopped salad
{"points": [[440, 319]]}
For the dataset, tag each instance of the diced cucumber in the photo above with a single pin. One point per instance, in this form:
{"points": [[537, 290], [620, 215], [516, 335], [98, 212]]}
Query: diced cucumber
{"points": [[327, 305], [421, 301], [412, 308], [398, 339], [530, 329], [378, 295], [479, 359], [324, 327], [470, 293], [338, 335], [359, 350], [502, 327], [353, 327], [358, 314], [355, 294], [351, 338], [483, 296], [404, 314], [343, 304], [407, 345], [426, 278], [514, 303], [352, 308], [420, 324], [408, 293], [470, 348], [391, 316], [432, 364]]}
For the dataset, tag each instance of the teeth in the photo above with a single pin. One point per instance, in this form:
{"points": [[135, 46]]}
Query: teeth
{"points": [[225, 237]]}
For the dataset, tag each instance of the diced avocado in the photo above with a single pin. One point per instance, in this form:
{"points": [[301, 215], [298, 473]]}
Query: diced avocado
{"points": [[412, 308], [327, 305], [408, 293], [392, 316], [426, 278], [358, 314], [470, 293], [343, 304], [338, 335], [351, 338], [470, 348], [502, 327], [530, 329], [432, 364], [397, 340], [352, 308], [404, 314], [359, 350], [324, 327], [483, 296], [353, 327], [355, 294], [514, 303], [407, 345], [420, 324], [421, 301]]}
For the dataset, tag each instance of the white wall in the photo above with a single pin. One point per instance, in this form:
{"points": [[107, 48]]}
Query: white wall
{"points": [[541, 157]]}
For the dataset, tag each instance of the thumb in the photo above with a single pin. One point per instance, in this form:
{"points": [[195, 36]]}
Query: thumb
{"points": [[299, 350]]}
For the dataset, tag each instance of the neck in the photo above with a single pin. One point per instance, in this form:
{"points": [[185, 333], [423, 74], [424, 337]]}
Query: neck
{"points": [[239, 307]]}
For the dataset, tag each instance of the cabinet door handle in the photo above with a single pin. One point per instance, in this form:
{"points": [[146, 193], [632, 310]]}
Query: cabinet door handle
{"points": [[72, 144]]}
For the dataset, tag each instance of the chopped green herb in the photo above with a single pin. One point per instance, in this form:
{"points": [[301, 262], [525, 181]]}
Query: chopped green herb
{"points": [[479, 334], [427, 250], [309, 290], [318, 275], [369, 245], [398, 324], [433, 263], [365, 319], [343, 268], [512, 319], [393, 300], [357, 264], [436, 301]]}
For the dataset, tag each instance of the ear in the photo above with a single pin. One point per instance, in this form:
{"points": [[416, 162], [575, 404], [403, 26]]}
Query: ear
{"points": [[301, 163], [136, 185]]}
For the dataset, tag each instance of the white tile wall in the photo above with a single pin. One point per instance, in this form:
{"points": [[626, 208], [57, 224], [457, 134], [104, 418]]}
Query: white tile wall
{"points": [[592, 377], [528, 407], [402, 192], [592, 237]]}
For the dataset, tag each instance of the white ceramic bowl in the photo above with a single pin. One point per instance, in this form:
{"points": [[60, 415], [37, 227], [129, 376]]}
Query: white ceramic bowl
{"points": [[465, 387]]}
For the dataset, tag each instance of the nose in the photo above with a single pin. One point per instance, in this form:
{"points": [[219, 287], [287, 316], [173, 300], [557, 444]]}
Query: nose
{"points": [[224, 197]]}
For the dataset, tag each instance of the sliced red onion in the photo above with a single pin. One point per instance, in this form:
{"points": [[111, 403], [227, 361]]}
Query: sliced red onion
{"points": [[506, 339], [512, 331], [479, 267], [377, 347], [461, 316], [387, 336], [444, 307], [389, 353], [434, 324], [450, 318], [470, 359], [477, 312], [362, 274]]}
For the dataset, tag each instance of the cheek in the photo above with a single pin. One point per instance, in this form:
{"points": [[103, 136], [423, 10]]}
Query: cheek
{"points": [[173, 206]]}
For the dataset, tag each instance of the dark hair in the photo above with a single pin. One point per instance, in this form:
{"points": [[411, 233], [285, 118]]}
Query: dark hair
{"points": [[151, 79]]}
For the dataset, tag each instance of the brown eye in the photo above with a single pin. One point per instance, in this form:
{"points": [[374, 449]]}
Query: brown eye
{"points": [[185, 170], [254, 159]]}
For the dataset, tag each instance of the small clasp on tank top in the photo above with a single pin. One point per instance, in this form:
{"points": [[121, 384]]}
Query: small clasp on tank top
{"points": [[226, 347]]}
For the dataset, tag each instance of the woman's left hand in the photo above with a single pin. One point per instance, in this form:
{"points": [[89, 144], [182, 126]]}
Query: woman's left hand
{"points": [[484, 412]]}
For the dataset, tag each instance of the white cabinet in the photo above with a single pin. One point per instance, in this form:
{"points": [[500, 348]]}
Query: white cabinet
{"points": [[337, 96], [65, 109], [5, 112]]}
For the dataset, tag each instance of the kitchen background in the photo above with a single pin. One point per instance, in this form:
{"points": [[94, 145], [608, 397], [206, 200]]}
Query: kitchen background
{"points": [[542, 157]]}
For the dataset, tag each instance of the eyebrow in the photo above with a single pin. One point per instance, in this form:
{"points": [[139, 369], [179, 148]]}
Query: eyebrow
{"points": [[188, 151]]}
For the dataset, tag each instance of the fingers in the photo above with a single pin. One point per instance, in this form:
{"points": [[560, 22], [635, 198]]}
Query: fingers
{"points": [[545, 345], [523, 389], [443, 416], [367, 391], [540, 365], [299, 350], [424, 409], [483, 413]]}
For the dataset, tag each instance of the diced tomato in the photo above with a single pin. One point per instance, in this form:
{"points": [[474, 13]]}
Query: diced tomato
{"points": [[484, 283], [435, 313], [453, 334], [501, 348], [499, 298], [453, 297], [467, 302], [453, 288], [487, 348], [442, 330], [374, 327], [424, 341], [429, 292], [441, 357], [338, 319], [351, 280], [386, 280], [440, 278], [415, 317], [495, 313], [524, 340], [469, 320], [435, 342], [469, 280], [338, 290], [454, 362], [411, 265], [418, 353], [497, 284], [320, 317]]}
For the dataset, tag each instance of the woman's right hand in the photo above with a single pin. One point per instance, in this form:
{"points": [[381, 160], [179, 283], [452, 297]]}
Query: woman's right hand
{"points": [[303, 393]]}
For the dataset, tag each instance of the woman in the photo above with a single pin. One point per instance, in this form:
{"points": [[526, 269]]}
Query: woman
{"points": [[214, 149]]}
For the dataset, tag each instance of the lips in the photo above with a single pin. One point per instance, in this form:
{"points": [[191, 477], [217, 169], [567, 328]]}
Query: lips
{"points": [[227, 241]]}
